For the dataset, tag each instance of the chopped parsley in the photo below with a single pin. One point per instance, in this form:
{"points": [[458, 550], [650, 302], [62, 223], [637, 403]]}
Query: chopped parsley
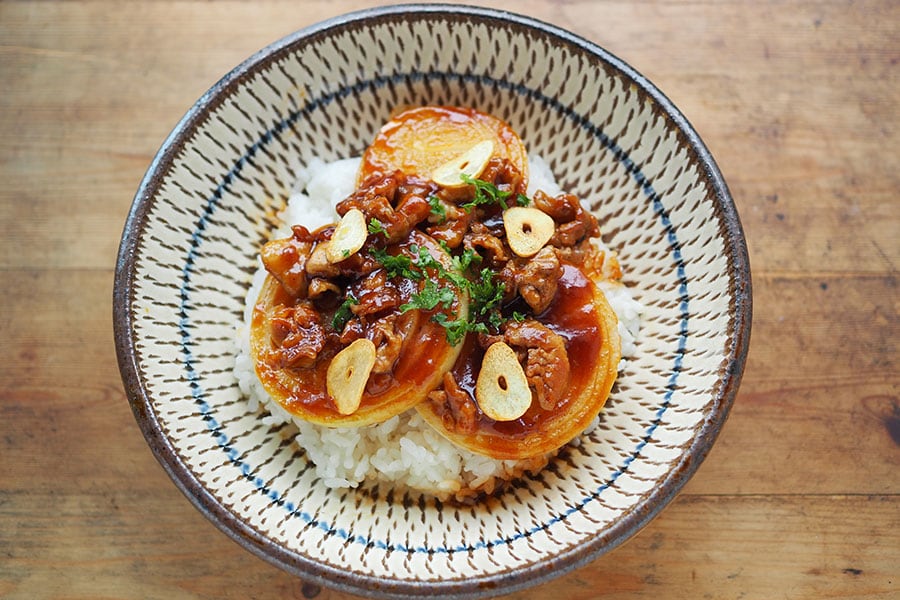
{"points": [[485, 193], [437, 208], [454, 330], [425, 260], [486, 293], [429, 297], [485, 296], [376, 227], [485, 289], [465, 260], [457, 330], [396, 266], [343, 313]]}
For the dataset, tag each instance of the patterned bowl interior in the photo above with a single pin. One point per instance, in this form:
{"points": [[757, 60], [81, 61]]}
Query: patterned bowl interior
{"points": [[210, 199]]}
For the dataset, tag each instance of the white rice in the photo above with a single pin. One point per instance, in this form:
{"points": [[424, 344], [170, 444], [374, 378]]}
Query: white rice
{"points": [[403, 450]]}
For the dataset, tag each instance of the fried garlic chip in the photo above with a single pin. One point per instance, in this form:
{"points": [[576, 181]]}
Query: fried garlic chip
{"points": [[527, 229], [502, 390], [348, 237], [470, 163], [348, 373]]}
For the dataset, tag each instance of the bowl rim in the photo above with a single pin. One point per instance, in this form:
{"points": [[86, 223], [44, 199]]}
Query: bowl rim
{"points": [[542, 570]]}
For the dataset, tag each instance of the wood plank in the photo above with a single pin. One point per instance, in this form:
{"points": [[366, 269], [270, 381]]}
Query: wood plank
{"points": [[821, 380], [57, 330], [80, 124], [808, 156], [156, 546], [828, 329]]}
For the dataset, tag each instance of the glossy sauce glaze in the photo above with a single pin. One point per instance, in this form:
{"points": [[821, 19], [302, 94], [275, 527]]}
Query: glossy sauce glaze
{"points": [[424, 354], [540, 303], [579, 314], [573, 315]]}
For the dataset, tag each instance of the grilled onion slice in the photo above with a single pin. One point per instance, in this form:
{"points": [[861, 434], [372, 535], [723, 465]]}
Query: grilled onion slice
{"points": [[424, 356], [421, 140], [579, 314]]}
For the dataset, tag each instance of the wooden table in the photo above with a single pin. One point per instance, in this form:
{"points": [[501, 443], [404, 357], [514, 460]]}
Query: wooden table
{"points": [[800, 498]]}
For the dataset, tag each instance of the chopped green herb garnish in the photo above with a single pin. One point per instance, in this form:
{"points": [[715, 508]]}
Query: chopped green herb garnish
{"points": [[486, 293], [485, 193], [457, 330], [465, 260], [343, 313], [376, 227], [437, 208], [454, 330], [518, 316], [429, 297], [425, 260], [486, 290], [522, 200], [485, 296], [396, 266], [495, 319]]}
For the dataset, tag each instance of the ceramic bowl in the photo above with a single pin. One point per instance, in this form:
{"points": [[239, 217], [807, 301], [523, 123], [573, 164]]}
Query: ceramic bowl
{"points": [[209, 201]]}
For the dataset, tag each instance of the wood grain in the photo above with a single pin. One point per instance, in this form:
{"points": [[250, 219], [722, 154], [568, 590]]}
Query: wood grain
{"points": [[799, 498]]}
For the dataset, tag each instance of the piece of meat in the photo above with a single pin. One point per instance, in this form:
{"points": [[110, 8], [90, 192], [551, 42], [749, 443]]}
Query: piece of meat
{"points": [[375, 293], [395, 200], [504, 175], [546, 359], [297, 334], [538, 280], [573, 222], [317, 264], [490, 247], [413, 186], [356, 265], [535, 279], [582, 253], [353, 330], [388, 334], [411, 210], [454, 225], [321, 288], [285, 260], [455, 407]]}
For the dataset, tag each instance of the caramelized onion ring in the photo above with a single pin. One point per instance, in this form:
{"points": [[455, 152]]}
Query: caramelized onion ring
{"points": [[580, 314], [424, 357], [419, 140]]}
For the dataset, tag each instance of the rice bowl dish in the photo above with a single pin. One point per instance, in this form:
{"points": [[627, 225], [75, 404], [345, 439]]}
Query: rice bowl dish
{"points": [[219, 190], [403, 451]]}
